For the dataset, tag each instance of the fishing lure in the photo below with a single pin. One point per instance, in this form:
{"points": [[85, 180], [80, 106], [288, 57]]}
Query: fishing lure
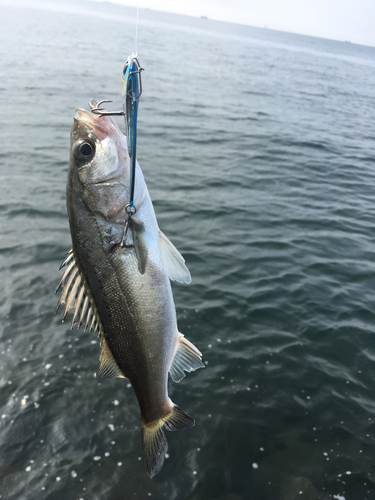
{"points": [[131, 90]]}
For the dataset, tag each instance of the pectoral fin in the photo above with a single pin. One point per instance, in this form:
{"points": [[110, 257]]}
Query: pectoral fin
{"points": [[173, 261], [187, 358]]}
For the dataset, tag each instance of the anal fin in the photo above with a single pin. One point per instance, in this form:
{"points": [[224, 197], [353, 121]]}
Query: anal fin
{"points": [[187, 358]]}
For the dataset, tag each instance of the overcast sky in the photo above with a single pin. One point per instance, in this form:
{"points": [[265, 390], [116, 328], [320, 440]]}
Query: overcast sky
{"points": [[350, 20]]}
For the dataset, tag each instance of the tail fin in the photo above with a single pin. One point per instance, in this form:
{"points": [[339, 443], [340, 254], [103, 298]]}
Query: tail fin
{"points": [[154, 442]]}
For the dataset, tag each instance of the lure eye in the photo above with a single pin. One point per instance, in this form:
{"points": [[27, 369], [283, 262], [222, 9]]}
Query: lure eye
{"points": [[84, 150]]}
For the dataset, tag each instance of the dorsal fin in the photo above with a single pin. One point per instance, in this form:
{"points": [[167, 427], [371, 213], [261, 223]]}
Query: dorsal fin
{"points": [[173, 261], [75, 296]]}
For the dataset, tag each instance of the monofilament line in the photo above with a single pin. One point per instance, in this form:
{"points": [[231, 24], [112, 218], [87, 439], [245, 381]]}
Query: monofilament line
{"points": [[136, 32]]}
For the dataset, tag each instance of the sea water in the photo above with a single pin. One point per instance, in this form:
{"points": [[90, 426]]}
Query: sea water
{"points": [[258, 148]]}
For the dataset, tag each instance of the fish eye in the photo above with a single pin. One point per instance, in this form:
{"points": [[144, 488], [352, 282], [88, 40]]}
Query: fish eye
{"points": [[84, 150]]}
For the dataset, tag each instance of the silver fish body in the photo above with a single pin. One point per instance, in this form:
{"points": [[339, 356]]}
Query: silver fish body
{"points": [[123, 290]]}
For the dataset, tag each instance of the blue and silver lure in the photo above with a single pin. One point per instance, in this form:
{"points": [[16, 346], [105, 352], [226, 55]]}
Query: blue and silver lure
{"points": [[131, 91]]}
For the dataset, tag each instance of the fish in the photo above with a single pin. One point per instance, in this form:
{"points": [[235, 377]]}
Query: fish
{"points": [[116, 279]]}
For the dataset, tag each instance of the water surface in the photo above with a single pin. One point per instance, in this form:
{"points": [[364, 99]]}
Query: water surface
{"points": [[258, 150]]}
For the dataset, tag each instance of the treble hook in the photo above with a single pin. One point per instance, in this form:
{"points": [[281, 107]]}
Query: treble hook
{"points": [[102, 112], [130, 210]]}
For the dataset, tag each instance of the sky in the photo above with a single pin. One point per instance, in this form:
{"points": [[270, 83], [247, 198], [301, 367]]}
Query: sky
{"points": [[344, 20]]}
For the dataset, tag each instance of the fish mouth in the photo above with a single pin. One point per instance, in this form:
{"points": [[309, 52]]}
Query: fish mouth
{"points": [[101, 126]]}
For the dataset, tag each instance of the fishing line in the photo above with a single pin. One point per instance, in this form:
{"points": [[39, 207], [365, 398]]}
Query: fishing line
{"points": [[131, 90], [131, 93], [136, 31]]}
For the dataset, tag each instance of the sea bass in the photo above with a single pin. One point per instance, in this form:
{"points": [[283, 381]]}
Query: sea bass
{"points": [[119, 285]]}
